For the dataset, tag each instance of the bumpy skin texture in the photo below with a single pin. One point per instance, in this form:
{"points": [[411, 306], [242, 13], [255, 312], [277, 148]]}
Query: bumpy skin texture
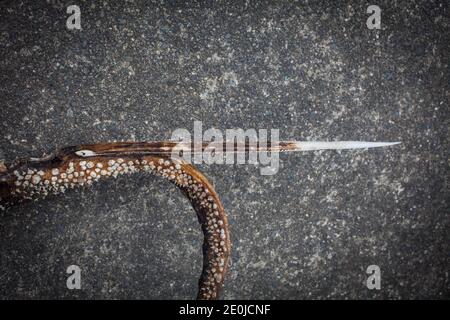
{"points": [[34, 179]]}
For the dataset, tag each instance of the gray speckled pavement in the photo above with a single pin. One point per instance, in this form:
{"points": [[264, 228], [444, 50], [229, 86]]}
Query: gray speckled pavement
{"points": [[310, 68]]}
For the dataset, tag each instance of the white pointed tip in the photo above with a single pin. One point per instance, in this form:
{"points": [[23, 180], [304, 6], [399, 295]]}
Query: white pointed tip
{"points": [[339, 145], [380, 144]]}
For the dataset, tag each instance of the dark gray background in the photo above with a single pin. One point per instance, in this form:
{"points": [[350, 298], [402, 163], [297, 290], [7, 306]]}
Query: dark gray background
{"points": [[309, 68]]}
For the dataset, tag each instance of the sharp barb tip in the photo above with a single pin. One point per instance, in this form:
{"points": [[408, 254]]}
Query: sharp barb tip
{"points": [[339, 145]]}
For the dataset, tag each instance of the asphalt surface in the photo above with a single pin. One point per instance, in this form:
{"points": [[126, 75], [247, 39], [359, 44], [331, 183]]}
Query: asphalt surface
{"points": [[311, 69]]}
